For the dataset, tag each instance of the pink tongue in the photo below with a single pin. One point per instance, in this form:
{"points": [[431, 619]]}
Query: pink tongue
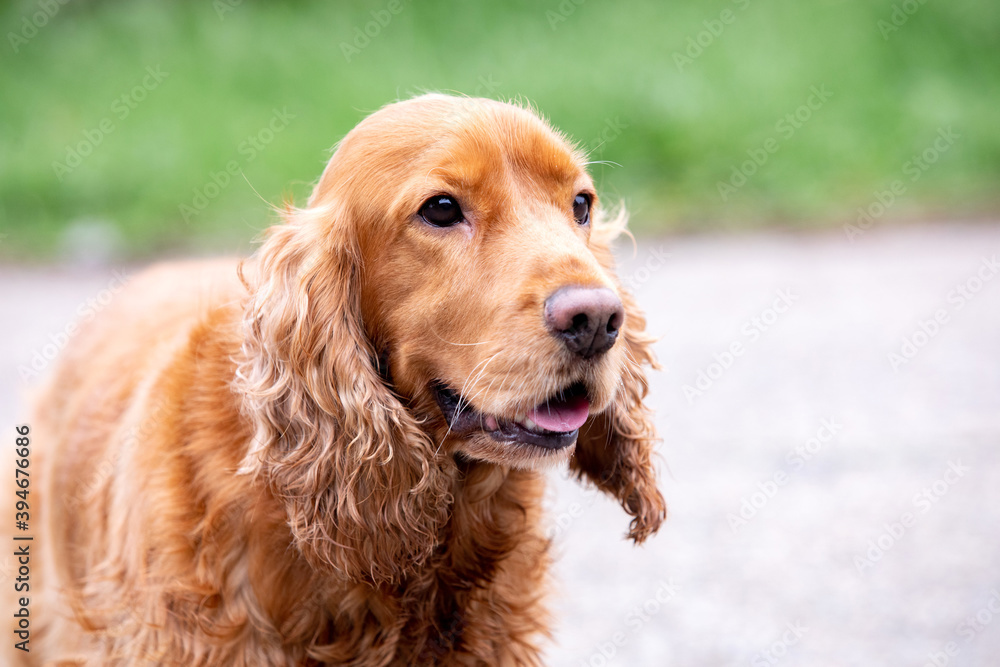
{"points": [[563, 416]]}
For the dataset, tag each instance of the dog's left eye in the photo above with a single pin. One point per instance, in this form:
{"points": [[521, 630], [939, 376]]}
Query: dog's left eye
{"points": [[441, 211], [581, 209]]}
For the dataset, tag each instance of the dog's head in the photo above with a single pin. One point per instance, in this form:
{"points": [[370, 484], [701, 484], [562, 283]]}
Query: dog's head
{"points": [[448, 291]]}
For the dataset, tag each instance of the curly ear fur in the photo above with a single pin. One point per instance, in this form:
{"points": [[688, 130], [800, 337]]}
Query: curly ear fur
{"points": [[363, 491], [615, 448]]}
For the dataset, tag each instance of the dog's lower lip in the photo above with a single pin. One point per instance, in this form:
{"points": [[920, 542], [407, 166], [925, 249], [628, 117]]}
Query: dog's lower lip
{"points": [[514, 432], [464, 420]]}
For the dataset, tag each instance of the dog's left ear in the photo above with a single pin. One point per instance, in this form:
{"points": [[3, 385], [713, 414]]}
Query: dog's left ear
{"points": [[362, 486], [615, 448]]}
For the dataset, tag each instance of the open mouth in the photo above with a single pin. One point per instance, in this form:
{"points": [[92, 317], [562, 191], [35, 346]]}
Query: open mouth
{"points": [[552, 424]]}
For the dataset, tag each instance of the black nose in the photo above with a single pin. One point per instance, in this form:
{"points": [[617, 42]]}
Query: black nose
{"points": [[586, 319]]}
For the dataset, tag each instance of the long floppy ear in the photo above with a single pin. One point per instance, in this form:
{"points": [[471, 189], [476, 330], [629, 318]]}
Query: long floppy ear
{"points": [[615, 448], [363, 492]]}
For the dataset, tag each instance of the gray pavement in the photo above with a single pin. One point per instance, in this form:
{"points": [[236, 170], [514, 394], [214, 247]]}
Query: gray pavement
{"points": [[830, 416]]}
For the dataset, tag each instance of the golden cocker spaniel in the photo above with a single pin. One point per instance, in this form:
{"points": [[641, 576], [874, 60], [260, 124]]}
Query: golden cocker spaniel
{"points": [[330, 453]]}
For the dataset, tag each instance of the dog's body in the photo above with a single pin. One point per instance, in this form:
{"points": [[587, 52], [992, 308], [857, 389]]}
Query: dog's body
{"points": [[271, 467], [156, 400]]}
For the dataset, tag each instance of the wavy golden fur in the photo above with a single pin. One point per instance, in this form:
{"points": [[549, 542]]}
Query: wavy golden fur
{"points": [[248, 466]]}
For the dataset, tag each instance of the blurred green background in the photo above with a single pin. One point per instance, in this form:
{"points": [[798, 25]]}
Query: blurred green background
{"points": [[670, 96]]}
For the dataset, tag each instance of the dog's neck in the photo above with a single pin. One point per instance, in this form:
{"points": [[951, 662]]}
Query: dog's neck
{"points": [[480, 480]]}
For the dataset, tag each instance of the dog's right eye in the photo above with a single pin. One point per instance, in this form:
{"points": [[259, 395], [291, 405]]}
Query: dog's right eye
{"points": [[441, 211]]}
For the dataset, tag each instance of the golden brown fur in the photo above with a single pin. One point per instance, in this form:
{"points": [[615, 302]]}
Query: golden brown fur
{"points": [[251, 470]]}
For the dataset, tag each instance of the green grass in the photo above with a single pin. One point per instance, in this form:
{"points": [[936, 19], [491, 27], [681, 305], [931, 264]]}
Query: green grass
{"points": [[685, 128]]}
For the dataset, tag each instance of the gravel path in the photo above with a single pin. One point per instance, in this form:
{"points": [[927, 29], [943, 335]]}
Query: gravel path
{"points": [[831, 504]]}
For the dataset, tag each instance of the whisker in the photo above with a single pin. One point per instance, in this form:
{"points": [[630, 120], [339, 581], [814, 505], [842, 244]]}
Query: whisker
{"points": [[485, 391], [484, 342], [461, 396], [469, 379]]}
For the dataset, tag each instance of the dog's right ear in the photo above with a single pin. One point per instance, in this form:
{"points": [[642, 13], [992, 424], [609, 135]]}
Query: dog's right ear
{"points": [[363, 491], [615, 449]]}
